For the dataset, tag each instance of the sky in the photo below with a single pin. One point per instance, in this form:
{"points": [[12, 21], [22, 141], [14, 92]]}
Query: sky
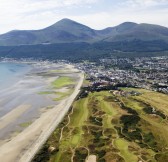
{"points": [[97, 14]]}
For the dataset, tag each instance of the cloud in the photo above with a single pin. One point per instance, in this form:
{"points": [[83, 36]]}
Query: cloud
{"points": [[98, 14], [34, 13], [145, 3], [27, 6], [107, 19]]}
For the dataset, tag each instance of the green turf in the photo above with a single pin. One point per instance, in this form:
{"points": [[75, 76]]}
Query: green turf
{"points": [[62, 95], [62, 82], [46, 92], [130, 102], [26, 124], [122, 145], [80, 113]]}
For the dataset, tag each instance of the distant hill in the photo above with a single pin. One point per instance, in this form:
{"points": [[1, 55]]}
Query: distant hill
{"points": [[68, 39], [68, 31], [143, 32], [64, 31]]}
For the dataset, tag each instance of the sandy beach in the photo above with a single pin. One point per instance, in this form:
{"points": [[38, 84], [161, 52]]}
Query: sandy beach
{"points": [[29, 106]]}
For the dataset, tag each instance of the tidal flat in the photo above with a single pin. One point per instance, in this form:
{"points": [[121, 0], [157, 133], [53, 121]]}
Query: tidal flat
{"points": [[33, 105]]}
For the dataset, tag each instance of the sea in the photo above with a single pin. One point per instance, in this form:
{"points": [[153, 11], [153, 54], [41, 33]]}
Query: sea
{"points": [[11, 73]]}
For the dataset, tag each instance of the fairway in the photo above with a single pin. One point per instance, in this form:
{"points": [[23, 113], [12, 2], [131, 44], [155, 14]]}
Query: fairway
{"points": [[122, 145]]}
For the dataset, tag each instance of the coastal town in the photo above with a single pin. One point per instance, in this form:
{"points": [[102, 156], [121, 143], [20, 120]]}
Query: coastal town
{"points": [[149, 73], [145, 72]]}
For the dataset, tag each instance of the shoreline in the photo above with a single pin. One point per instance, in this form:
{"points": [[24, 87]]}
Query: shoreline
{"points": [[23, 146], [13, 72], [65, 104]]}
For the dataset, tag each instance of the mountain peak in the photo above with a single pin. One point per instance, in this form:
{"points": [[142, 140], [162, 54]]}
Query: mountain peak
{"points": [[128, 23], [69, 25], [125, 26], [65, 20]]}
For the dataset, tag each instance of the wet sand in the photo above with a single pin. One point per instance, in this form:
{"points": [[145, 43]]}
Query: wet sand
{"points": [[27, 106], [15, 100], [13, 115]]}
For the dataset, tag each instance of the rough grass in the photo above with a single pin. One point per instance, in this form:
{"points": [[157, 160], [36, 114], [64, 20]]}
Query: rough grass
{"points": [[151, 123], [46, 92], [132, 103], [62, 82], [62, 95], [26, 124], [155, 99], [59, 71]]}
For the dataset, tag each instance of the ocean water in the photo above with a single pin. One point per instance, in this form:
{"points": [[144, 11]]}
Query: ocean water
{"points": [[10, 73]]}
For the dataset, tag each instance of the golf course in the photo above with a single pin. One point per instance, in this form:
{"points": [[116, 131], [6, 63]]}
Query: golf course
{"points": [[128, 125]]}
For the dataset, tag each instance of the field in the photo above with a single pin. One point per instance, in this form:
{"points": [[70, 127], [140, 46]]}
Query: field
{"points": [[116, 127]]}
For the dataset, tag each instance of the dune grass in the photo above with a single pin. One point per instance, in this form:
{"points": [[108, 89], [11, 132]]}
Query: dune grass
{"points": [[62, 82], [26, 124], [62, 95], [46, 92]]}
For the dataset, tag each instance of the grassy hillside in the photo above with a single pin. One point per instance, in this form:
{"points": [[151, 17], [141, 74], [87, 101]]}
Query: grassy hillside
{"points": [[86, 51]]}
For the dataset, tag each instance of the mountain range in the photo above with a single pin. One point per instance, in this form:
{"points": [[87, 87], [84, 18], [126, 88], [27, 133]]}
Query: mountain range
{"points": [[71, 40], [68, 31]]}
